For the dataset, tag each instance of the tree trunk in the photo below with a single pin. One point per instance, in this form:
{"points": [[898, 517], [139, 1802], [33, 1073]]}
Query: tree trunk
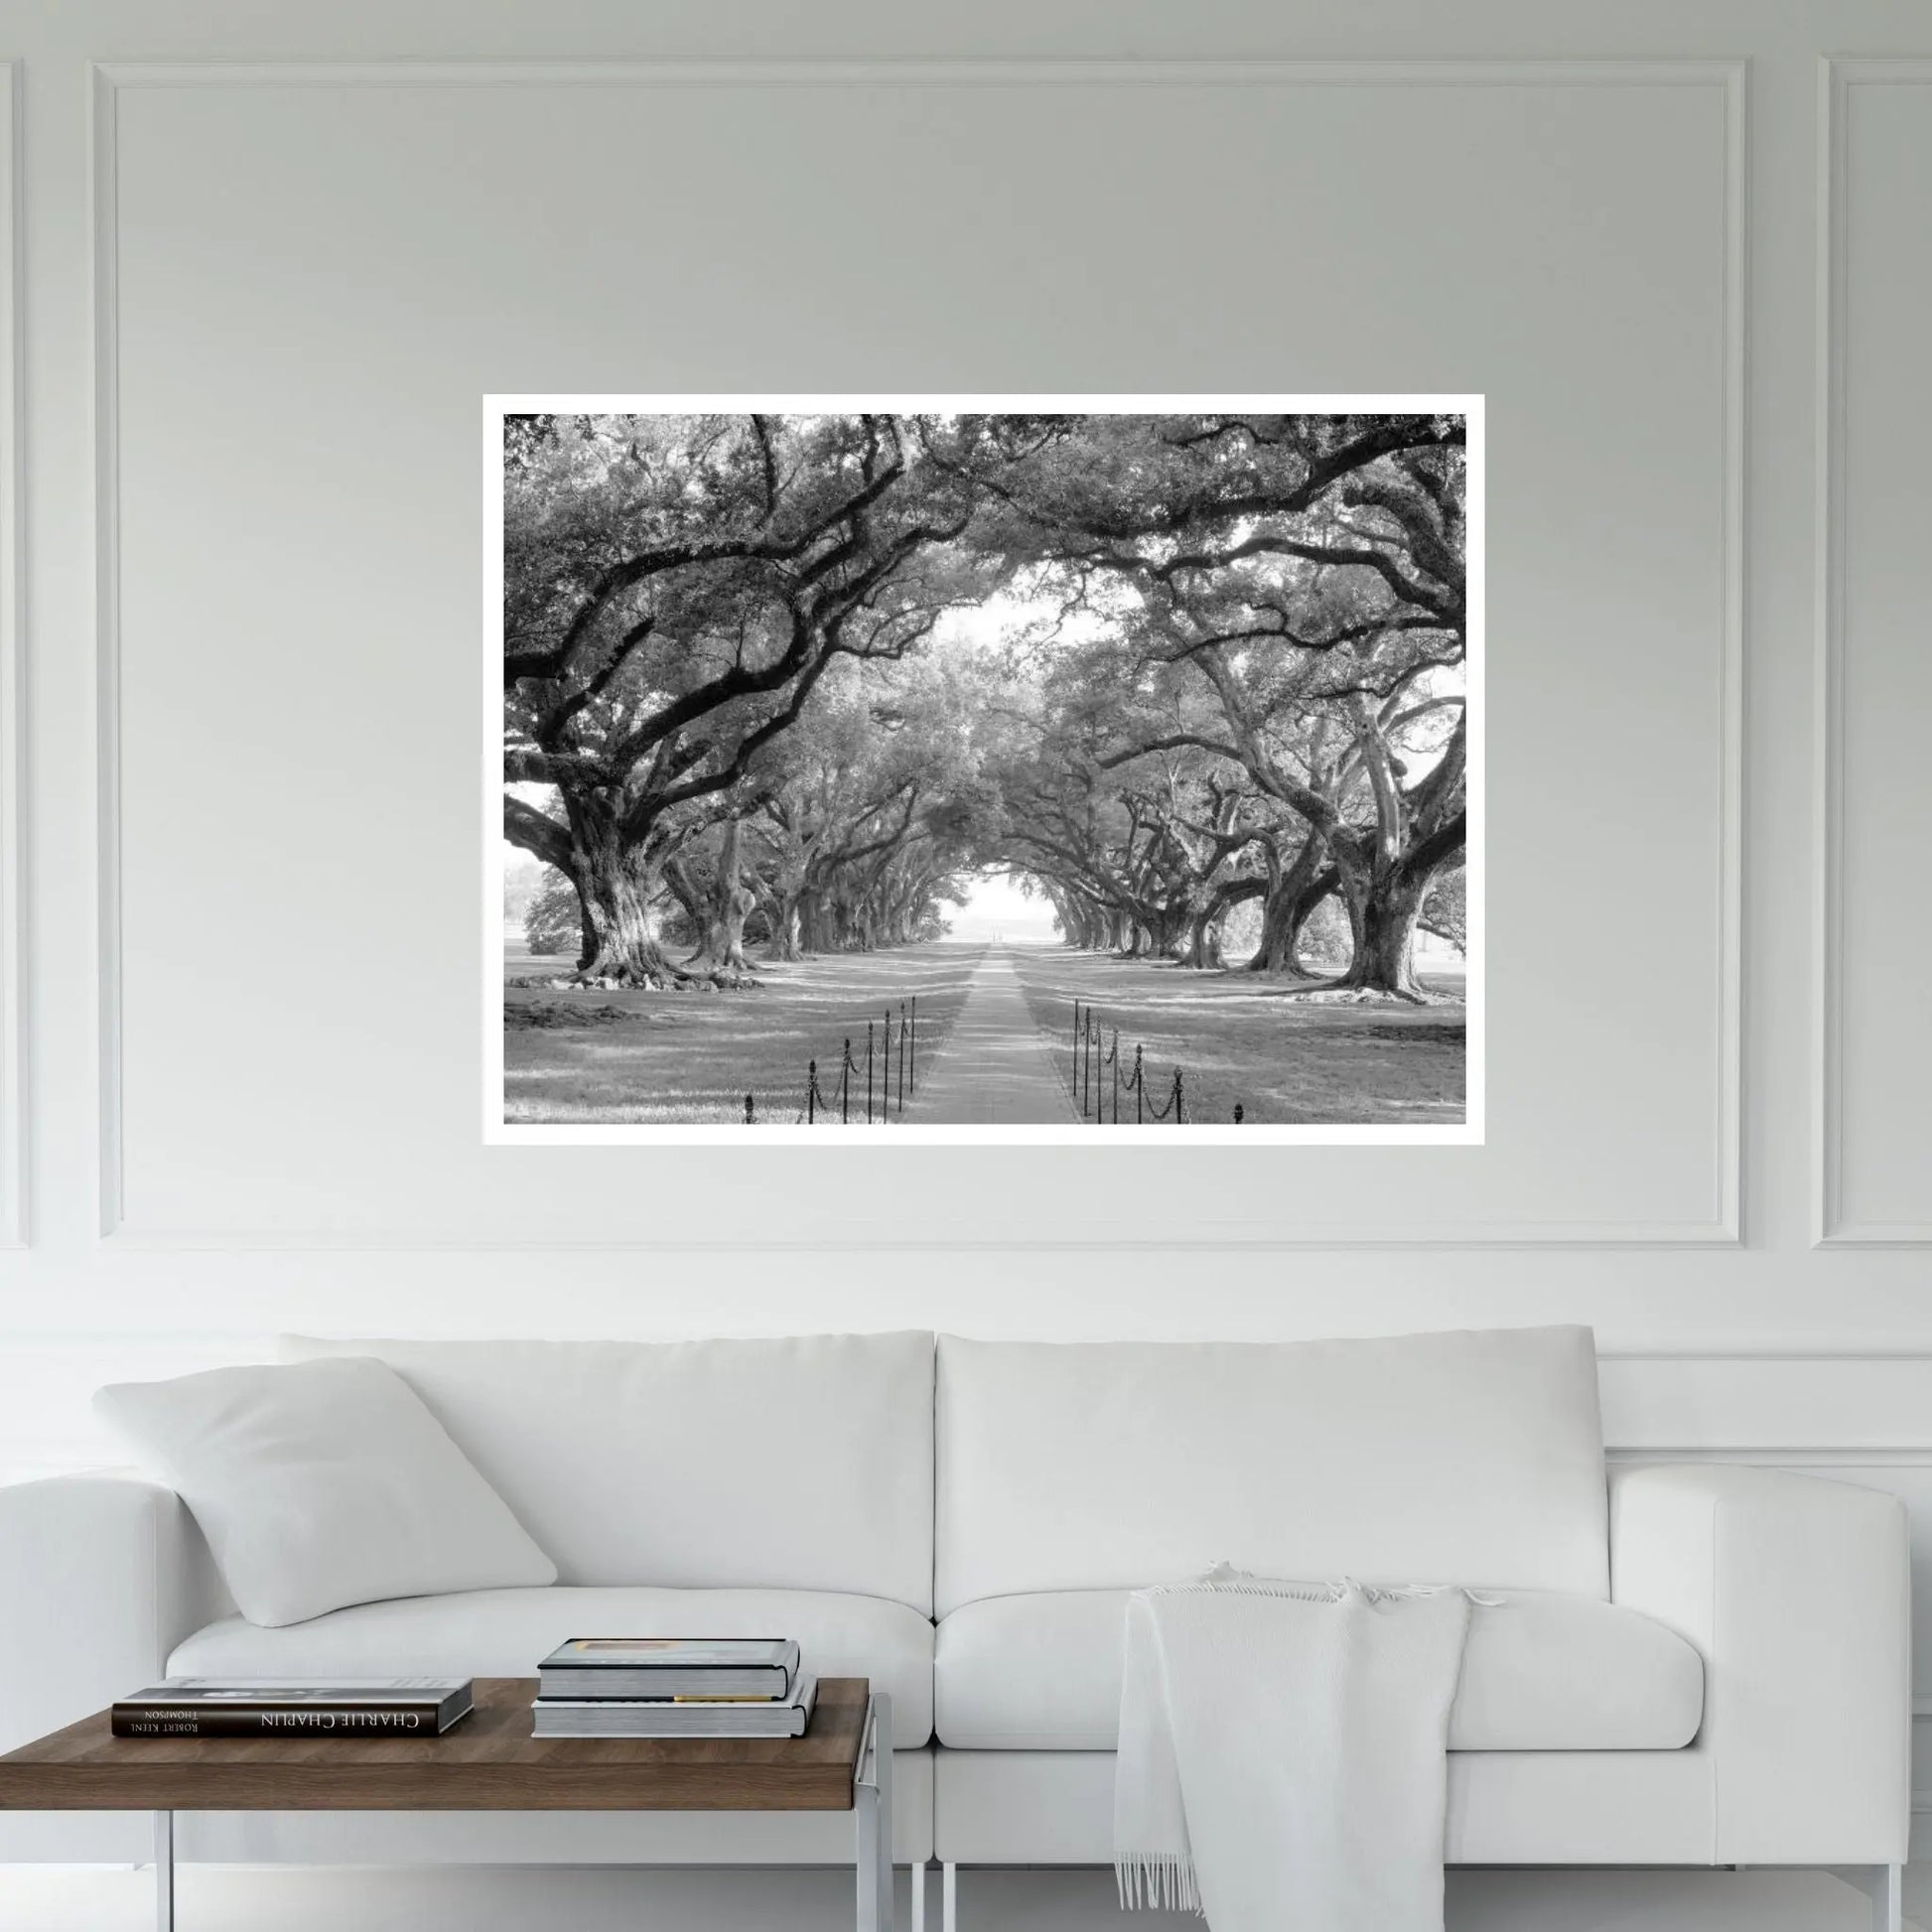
{"points": [[1281, 918], [1078, 924], [1169, 933], [814, 924], [1382, 913], [619, 947], [1203, 952], [1293, 895], [784, 943], [723, 949], [1384, 877]]}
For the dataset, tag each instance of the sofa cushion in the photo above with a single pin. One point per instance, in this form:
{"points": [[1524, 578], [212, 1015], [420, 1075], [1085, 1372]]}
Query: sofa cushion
{"points": [[321, 1484], [507, 1632], [799, 1463], [1470, 1458], [1541, 1672]]}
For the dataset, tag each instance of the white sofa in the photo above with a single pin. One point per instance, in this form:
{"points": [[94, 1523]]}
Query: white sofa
{"points": [[1694, 1666]]}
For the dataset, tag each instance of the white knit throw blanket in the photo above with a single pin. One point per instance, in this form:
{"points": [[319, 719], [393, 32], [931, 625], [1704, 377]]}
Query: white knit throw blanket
{"points": [[1282, 1759]]}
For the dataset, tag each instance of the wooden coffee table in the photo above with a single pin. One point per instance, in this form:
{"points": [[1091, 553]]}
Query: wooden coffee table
{"points": [[488, 1762]]}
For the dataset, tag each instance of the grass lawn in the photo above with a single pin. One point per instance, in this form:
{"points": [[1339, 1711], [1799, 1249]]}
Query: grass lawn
{"points": [[1241, 1038], [694, 1056]]}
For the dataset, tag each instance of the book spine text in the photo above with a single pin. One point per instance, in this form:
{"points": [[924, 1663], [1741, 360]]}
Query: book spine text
{"points": [[161, 1720]]}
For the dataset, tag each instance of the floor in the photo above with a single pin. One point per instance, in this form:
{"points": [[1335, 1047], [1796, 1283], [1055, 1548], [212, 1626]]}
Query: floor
{"points": [[40, 1899]]}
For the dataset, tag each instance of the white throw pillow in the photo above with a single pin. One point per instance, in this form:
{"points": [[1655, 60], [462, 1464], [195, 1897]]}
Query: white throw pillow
{"points": [[324, 1484]]}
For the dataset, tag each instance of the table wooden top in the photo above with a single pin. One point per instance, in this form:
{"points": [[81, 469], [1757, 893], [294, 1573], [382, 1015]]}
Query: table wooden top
{"points": [[487, 1762]]}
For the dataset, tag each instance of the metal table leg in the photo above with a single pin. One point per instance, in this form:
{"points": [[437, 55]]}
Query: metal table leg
{"points": [[164, 1871], [872, 1800], [1887, 1891], [1885, 1885]]}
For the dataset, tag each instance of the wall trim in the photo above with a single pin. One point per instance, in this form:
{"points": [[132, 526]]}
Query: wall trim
{"points": [[1731, 778], [1516, 1237], [103, 297], [1737, 1407], [1830, 1228], [1726, 1226], [14, 1169], [1792, 1455], [919, 73], [1796, 1355]]}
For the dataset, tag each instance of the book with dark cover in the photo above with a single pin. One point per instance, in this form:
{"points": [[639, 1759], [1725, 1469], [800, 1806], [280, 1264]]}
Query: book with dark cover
{"points": [[375, 1706], [675, 1717], [763, 1668]]}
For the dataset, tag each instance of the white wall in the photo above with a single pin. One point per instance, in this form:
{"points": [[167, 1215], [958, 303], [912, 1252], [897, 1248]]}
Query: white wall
{"points": [[237, 877]]}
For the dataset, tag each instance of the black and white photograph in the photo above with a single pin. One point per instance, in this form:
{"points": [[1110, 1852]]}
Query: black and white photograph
{"points": [[986, 772]]}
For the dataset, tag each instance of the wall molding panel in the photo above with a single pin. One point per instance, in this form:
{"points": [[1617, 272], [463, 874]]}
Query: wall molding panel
{"points": [[1719, 991], [14, 1220], [103, 303], [1840, 82]]}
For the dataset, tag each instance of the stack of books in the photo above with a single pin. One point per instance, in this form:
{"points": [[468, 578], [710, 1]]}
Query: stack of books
{"points": [[674, 1687], [280, 1706]]}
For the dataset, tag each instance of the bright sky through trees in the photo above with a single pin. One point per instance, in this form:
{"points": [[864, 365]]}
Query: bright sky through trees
{"points": [[998, 907]]}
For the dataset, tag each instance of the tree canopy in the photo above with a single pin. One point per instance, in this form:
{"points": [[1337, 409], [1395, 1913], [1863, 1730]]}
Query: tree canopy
{"points": [[800, 675]]}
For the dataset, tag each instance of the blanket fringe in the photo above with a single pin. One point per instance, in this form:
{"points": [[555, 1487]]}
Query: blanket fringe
{"points": [[1223, 1579], [1157, 1884]]}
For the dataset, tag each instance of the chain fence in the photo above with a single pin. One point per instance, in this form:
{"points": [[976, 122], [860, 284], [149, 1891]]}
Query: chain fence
{"points": [[875, 1077], [1097, 1060], [889, 1068]]}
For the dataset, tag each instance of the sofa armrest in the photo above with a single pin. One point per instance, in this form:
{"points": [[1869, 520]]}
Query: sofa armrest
{"points": [[100, 1578], [1797, 1593]]}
